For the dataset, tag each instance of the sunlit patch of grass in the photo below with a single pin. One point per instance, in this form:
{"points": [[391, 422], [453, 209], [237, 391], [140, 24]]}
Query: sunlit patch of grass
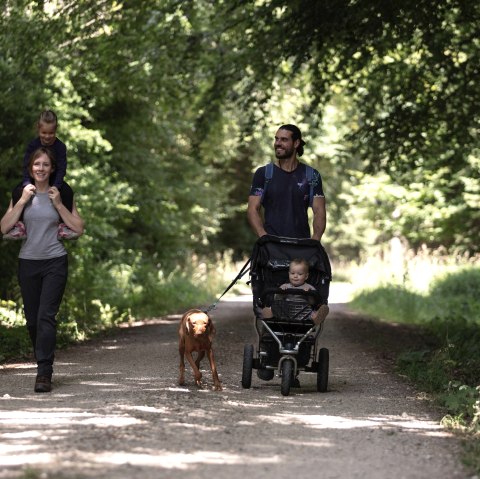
{"points": [[392, 302]]}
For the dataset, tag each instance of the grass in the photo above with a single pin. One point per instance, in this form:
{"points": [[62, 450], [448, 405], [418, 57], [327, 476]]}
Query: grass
{"points": [[444, 300]]}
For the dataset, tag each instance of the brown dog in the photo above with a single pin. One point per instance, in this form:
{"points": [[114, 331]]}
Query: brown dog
{"points": [[196, 333]]}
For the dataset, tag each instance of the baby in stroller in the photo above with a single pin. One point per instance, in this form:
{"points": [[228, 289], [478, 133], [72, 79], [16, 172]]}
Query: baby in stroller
{"points": [[298, 274], [289, 312]]}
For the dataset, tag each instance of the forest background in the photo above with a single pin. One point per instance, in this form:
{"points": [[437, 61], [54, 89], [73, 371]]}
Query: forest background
{"points": [[167, 107]]}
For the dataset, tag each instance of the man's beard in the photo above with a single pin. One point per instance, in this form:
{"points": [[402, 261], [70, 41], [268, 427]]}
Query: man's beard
{"points": [[283, 154]]}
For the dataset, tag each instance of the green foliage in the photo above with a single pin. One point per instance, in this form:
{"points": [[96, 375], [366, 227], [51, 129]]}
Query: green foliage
{"points": [[407, 71], [463, 403], [454, 297], [15, 342]]}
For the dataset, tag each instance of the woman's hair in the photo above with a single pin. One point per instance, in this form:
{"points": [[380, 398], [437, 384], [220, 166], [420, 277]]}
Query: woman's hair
{"points": [[296, 135], [301, 261], [48, 116], [39, 152]]}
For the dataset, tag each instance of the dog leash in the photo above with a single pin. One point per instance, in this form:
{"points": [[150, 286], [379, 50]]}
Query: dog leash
{"points": [[243, 271]]}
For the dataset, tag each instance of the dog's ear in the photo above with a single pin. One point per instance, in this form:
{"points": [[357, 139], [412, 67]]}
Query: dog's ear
{"points": [[211, 329], [187, 324]]}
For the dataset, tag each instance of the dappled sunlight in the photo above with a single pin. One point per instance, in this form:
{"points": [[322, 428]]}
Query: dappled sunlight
{"points": [[196, 428], [22, 365], [156, 410], [178, 389], [249, 404], [101, 384], [320, 421], [167, 319], [169, 460], [61, 418], [325, 443], [13, 457]]}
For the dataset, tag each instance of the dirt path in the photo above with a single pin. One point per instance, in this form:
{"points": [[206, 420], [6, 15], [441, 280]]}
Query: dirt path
{"points": [[116, 412]]}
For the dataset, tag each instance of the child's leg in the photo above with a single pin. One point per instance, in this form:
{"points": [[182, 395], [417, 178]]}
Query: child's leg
{"points": [[64, 232], [17, 193], [66, 193], [318, 316], [267, 312]]}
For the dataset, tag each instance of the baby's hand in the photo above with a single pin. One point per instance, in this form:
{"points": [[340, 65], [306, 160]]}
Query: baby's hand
{"points": [[283, 286]]}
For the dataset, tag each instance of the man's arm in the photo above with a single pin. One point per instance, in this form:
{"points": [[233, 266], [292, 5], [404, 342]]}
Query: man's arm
{"points": [[254, 217], [319, 217]]}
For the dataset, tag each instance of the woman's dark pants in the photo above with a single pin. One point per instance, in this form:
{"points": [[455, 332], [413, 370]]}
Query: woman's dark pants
{"points": [[42, 283]]}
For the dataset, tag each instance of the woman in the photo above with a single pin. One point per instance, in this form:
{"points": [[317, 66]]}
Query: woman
{"points": [[43, 265]]}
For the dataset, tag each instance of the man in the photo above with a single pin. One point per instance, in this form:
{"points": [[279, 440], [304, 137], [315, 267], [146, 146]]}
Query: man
{"points": [[285, 202], [287, 198]]}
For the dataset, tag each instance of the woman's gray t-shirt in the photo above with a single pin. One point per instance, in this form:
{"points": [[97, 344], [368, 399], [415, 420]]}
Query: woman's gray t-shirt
{"points": [[41, 222]]}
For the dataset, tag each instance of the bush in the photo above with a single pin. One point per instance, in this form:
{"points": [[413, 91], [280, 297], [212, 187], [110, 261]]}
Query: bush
{"points": [[456, 295]]}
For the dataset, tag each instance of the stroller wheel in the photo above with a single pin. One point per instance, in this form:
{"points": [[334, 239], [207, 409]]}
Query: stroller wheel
{"points": [[247, 366], [322, 371], [287, 376]]}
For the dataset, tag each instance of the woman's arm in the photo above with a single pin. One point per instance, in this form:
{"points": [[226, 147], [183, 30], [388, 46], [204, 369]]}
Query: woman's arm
{"points": [[72, 219], [14, 212]]}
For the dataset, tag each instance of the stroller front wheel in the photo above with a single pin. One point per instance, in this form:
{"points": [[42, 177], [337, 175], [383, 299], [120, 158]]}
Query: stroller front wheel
{"points": [[287, 376], [247, 366]]}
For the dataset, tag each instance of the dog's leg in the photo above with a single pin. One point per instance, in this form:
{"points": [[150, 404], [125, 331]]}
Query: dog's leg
{"points": [[201, 355], [181, 350], [196, 371], [217, 385]]}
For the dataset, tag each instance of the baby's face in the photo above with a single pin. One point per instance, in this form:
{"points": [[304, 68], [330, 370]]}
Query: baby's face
{"points": [[297, 274]]}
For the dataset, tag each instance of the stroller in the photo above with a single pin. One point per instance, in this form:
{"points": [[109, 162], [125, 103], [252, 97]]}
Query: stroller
{"points": [[288, 340]]}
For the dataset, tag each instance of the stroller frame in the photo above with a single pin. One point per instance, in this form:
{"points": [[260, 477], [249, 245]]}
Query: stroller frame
{"points": [[288, 342]]}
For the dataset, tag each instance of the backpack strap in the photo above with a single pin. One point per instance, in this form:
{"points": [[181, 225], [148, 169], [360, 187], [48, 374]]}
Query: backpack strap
{"points": [[268, 177]]}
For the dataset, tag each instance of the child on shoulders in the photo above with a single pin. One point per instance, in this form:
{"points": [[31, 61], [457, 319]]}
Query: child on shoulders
{"points": [[47, 125]]}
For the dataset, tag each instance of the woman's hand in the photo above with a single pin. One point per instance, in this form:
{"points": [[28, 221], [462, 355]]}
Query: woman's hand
{"points": [[14, 212], [27, 193], [54, 195]]}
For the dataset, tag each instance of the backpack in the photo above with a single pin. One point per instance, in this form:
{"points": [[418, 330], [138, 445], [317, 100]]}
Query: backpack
{"points": [[312, 181]]}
